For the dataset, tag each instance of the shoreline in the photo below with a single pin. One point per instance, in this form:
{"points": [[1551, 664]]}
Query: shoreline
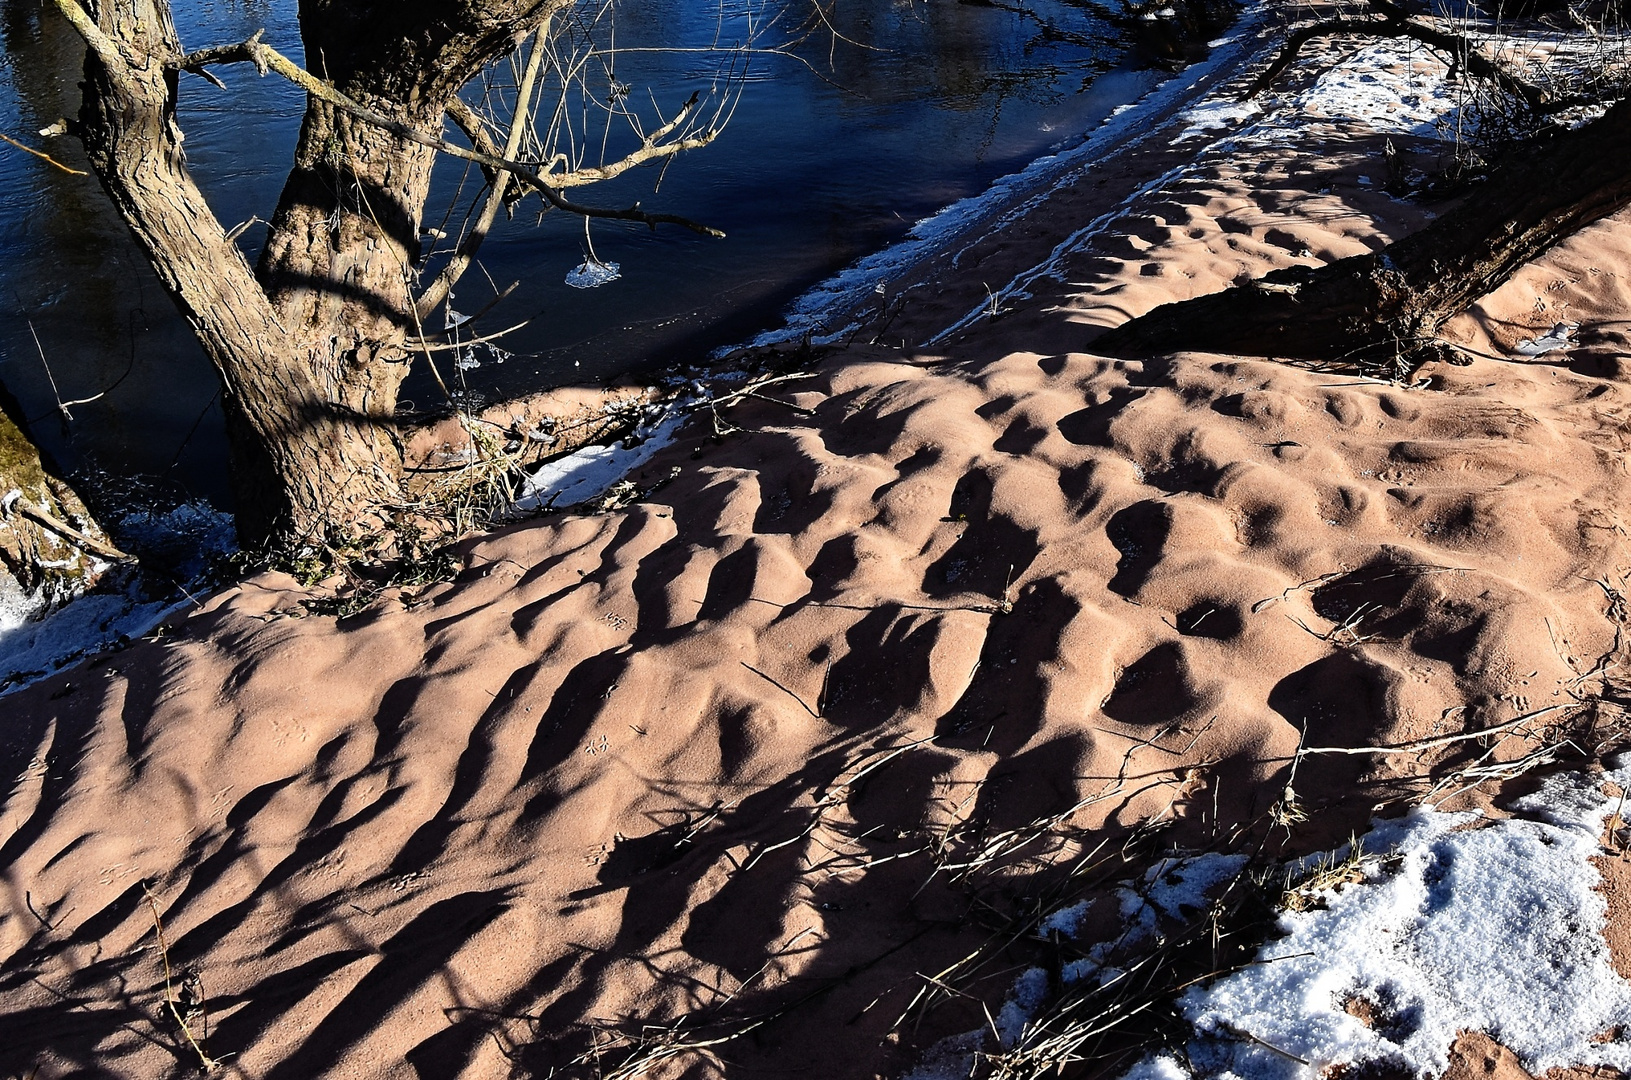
{"points": [[946, 234], [562, 432]]}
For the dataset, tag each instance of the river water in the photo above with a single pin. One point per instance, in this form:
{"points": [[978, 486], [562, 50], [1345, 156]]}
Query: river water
{"points": [[836, 146]]}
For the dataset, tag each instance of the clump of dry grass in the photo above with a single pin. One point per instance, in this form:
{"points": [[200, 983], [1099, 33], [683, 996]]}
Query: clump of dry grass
{"points": [[1113, 1014], [1330, 872], [628, 1055], [1126, 1007]]}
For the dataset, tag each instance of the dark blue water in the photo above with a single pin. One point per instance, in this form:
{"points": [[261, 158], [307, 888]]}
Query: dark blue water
{"points": [[834, 151]]}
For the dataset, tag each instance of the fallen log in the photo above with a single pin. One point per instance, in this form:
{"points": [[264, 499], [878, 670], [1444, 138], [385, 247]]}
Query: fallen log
{"points": [[1382, 311], [51, 548]]}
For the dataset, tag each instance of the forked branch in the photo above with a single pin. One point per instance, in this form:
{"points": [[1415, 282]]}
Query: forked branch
{"points": [[652, 148], [265, 58], [485, 154]]}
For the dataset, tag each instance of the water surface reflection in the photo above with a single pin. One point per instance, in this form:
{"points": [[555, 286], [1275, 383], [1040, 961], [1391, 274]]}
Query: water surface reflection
{"points": [[833, 153]]}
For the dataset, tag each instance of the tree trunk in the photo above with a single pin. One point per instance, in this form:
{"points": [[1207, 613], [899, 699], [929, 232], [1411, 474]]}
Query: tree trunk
{"points": [[127, 123], [311, 351], [1383, 310], [337, 269], [338, 265]]}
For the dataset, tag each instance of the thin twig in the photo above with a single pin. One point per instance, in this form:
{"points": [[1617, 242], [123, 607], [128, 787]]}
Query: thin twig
{"points": [[207, 1063], [782, 688], [28, 898], [47, 158], [1443, 740]]}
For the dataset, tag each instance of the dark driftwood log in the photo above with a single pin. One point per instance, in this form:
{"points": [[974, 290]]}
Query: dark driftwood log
{"points": [[1393, 21], [1383, 310]]}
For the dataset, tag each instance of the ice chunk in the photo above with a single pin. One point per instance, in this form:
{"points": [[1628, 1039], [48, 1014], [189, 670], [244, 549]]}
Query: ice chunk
{"points": [[592, 273], [1559, 339]]}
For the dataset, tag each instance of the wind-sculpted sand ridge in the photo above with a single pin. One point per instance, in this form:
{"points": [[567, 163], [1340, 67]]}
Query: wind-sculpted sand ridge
{"points": [[720, 762], [577, 782]]}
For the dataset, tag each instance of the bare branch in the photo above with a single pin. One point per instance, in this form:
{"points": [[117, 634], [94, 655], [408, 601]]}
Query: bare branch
{"points": [[652, 148], [438, 291], [110, 54], [42, 156], [266, 58], [238, 53], [467, 120], [432, 345], [1396, 22]]}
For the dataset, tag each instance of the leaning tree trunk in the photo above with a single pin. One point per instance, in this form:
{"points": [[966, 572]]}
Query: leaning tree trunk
{"points": [[127, 123], [1385, 309], [312, 350]]}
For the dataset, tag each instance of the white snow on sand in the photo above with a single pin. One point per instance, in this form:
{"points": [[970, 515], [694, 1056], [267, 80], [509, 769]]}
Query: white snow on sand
{"points": [[588, 472], [1216, 115], [38, 637], [1461, 923], [1396, 87], [1561, 338]]}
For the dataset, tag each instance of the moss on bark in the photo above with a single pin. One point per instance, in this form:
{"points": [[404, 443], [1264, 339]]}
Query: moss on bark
{"points": [[42, 563]]}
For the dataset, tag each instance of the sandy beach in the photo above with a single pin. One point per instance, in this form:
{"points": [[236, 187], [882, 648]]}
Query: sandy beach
{"points": [[873, 672]]}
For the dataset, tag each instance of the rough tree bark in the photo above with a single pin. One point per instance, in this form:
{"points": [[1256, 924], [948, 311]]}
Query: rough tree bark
{"points": [[311, 348], [1383, 310]]}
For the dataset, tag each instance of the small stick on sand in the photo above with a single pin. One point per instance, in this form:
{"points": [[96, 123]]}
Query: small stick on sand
{"points": [[1442, 740], [171, 1000]]}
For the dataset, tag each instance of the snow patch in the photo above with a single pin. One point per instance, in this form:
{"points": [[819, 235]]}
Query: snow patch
{"points": [[1455, 927], [1394, 87], [1559, 339], [1067, 921], [38, 637], [1159, 1067], [1178, 887], [587, 472], [1213, 115], [1029, 993]]}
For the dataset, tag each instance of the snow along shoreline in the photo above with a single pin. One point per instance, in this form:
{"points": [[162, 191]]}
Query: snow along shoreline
{"points": [[587, 473]]}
